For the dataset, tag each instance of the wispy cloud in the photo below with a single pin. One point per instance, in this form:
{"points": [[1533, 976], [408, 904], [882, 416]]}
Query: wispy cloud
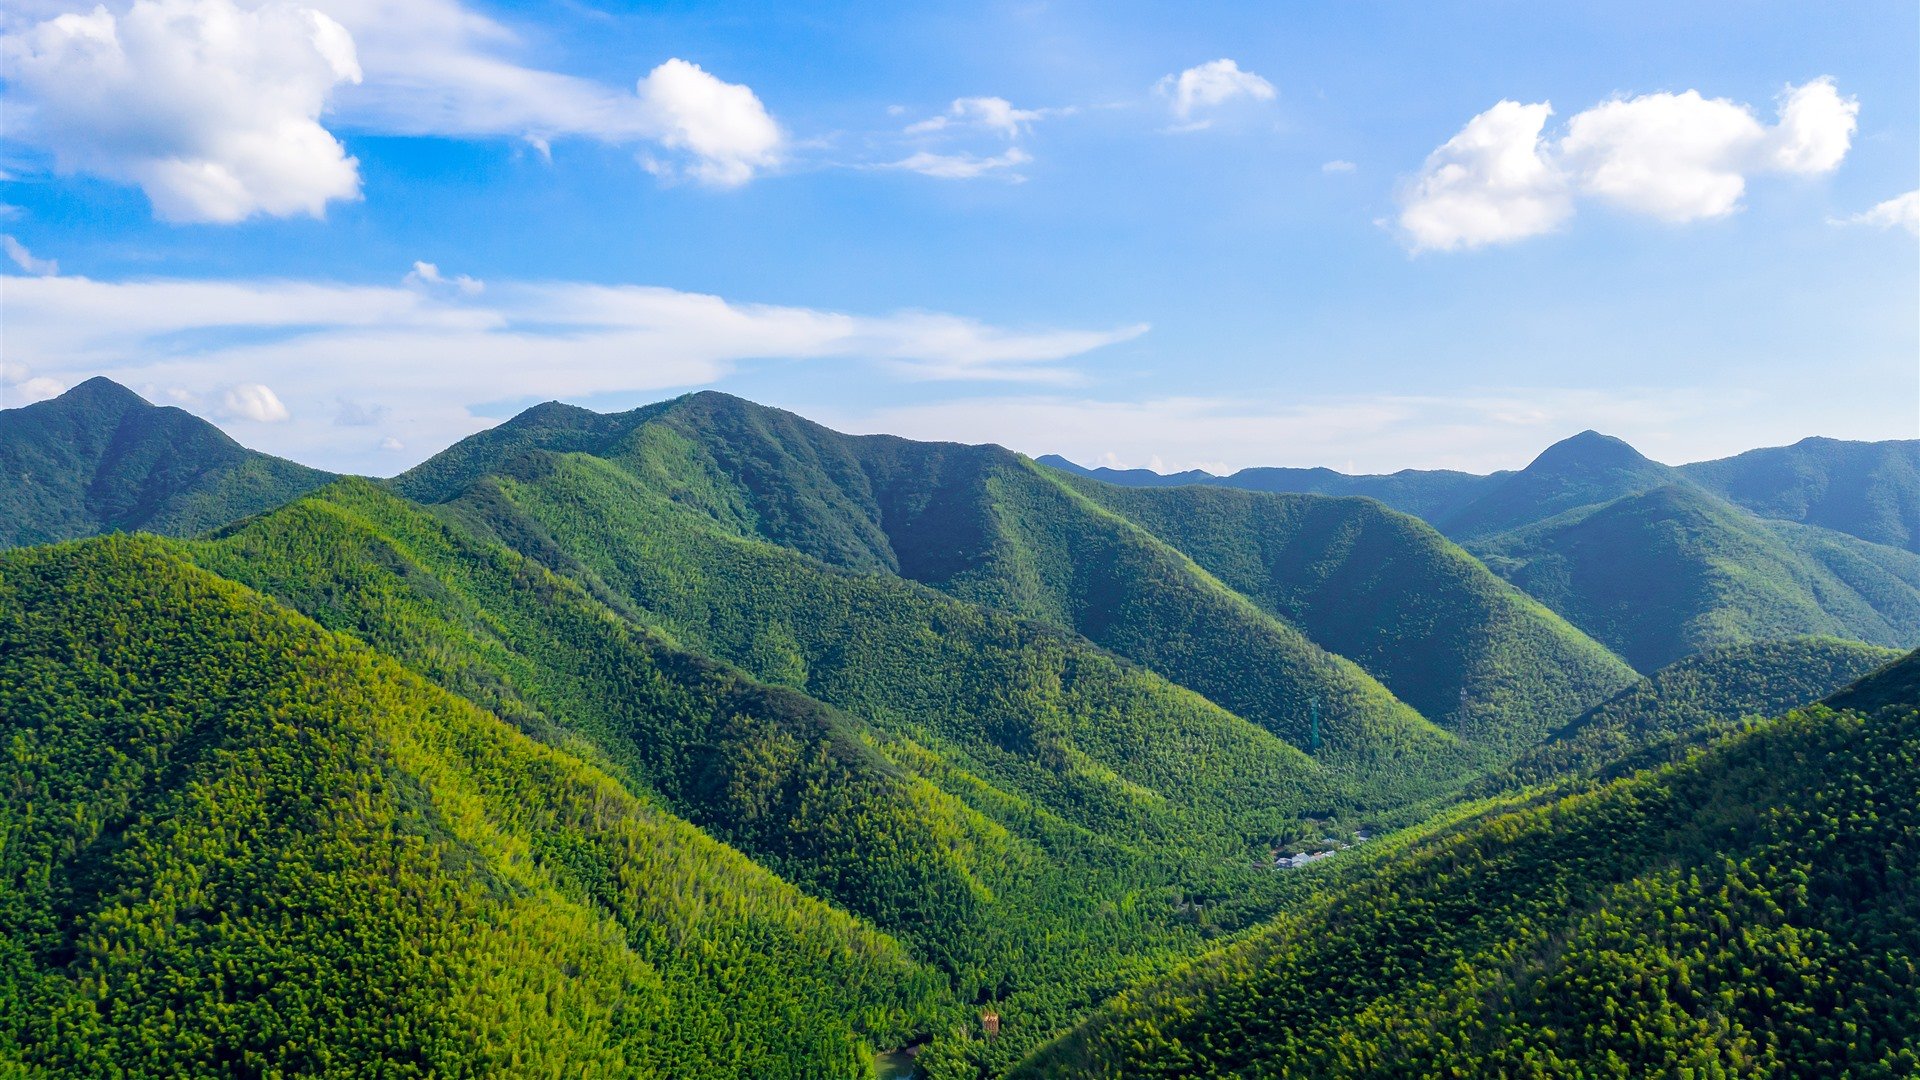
{"points": [[415, 364], [1899, 212], [965, 166], [1480, 430]]}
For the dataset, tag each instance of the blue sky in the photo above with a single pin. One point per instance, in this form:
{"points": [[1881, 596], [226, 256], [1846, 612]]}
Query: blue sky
{"points": [[1165, 235]]}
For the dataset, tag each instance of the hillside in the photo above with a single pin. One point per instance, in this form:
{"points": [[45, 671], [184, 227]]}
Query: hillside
{"points": [[1025, 874], [1442, 632], [1753, 911], [1671, 572], [1866, 489], [99, 458], [984, 525], [237, 842], [708, 507], [1695, 698]]}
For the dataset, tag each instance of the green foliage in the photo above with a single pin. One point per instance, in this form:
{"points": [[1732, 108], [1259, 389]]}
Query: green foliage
{"points": [[984, 525], [99, 459], [1684, 703], [1442, 632], [1752, 912], [1663, 575], [1866, 489], [235, 842]]}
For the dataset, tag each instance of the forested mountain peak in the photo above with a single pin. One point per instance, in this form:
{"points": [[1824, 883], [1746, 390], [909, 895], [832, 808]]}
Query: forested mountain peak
{"points": [[1577, 471], [100, 458]]}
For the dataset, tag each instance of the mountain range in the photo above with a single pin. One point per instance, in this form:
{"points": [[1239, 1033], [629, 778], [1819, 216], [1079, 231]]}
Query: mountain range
{"points": [[1658, 562], [703, 740]]}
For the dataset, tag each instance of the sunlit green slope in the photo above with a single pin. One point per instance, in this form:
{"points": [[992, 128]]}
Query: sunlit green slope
{"points": [[235, 842], [1751, 912]]}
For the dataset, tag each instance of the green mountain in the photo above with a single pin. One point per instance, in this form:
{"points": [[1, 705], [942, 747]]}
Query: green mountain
{"points": [[99, 459], [1866, 489], [1658, 562], [1384, 589], [238, 843], [1752, 911], [1676, 570], [696, 508], [1583, 470], [1031, 870], [1693, 699]]}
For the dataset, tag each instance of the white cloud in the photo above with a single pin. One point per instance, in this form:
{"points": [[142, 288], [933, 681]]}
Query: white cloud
{"points": [[435, 67], [1209, 85], [426, 275], [253, 401], [25, 260], [1675, 157], [1337, 166], [992, 113], [964, 166], [723, 124], [212, 109], [1488, 184], [1899, 212], [1815, 130], [423, 363], [392, 445]]}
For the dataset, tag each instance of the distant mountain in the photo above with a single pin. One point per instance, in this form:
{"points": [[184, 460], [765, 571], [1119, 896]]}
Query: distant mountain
{"points": [[99, 458], [1866, 489], [237, 842], [1583, 470], [1749, 911], [1658, 562], [1431, 494], [1383, 588]]}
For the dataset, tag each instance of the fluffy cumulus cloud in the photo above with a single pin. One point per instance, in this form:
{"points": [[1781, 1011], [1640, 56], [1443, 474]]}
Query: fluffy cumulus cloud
{"points": [[299, 361], [722, 124], [1203, 87], [436, 67], [1899, 212], [223, 110], [1488, 184], [212, 109], [1675, 157]]}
